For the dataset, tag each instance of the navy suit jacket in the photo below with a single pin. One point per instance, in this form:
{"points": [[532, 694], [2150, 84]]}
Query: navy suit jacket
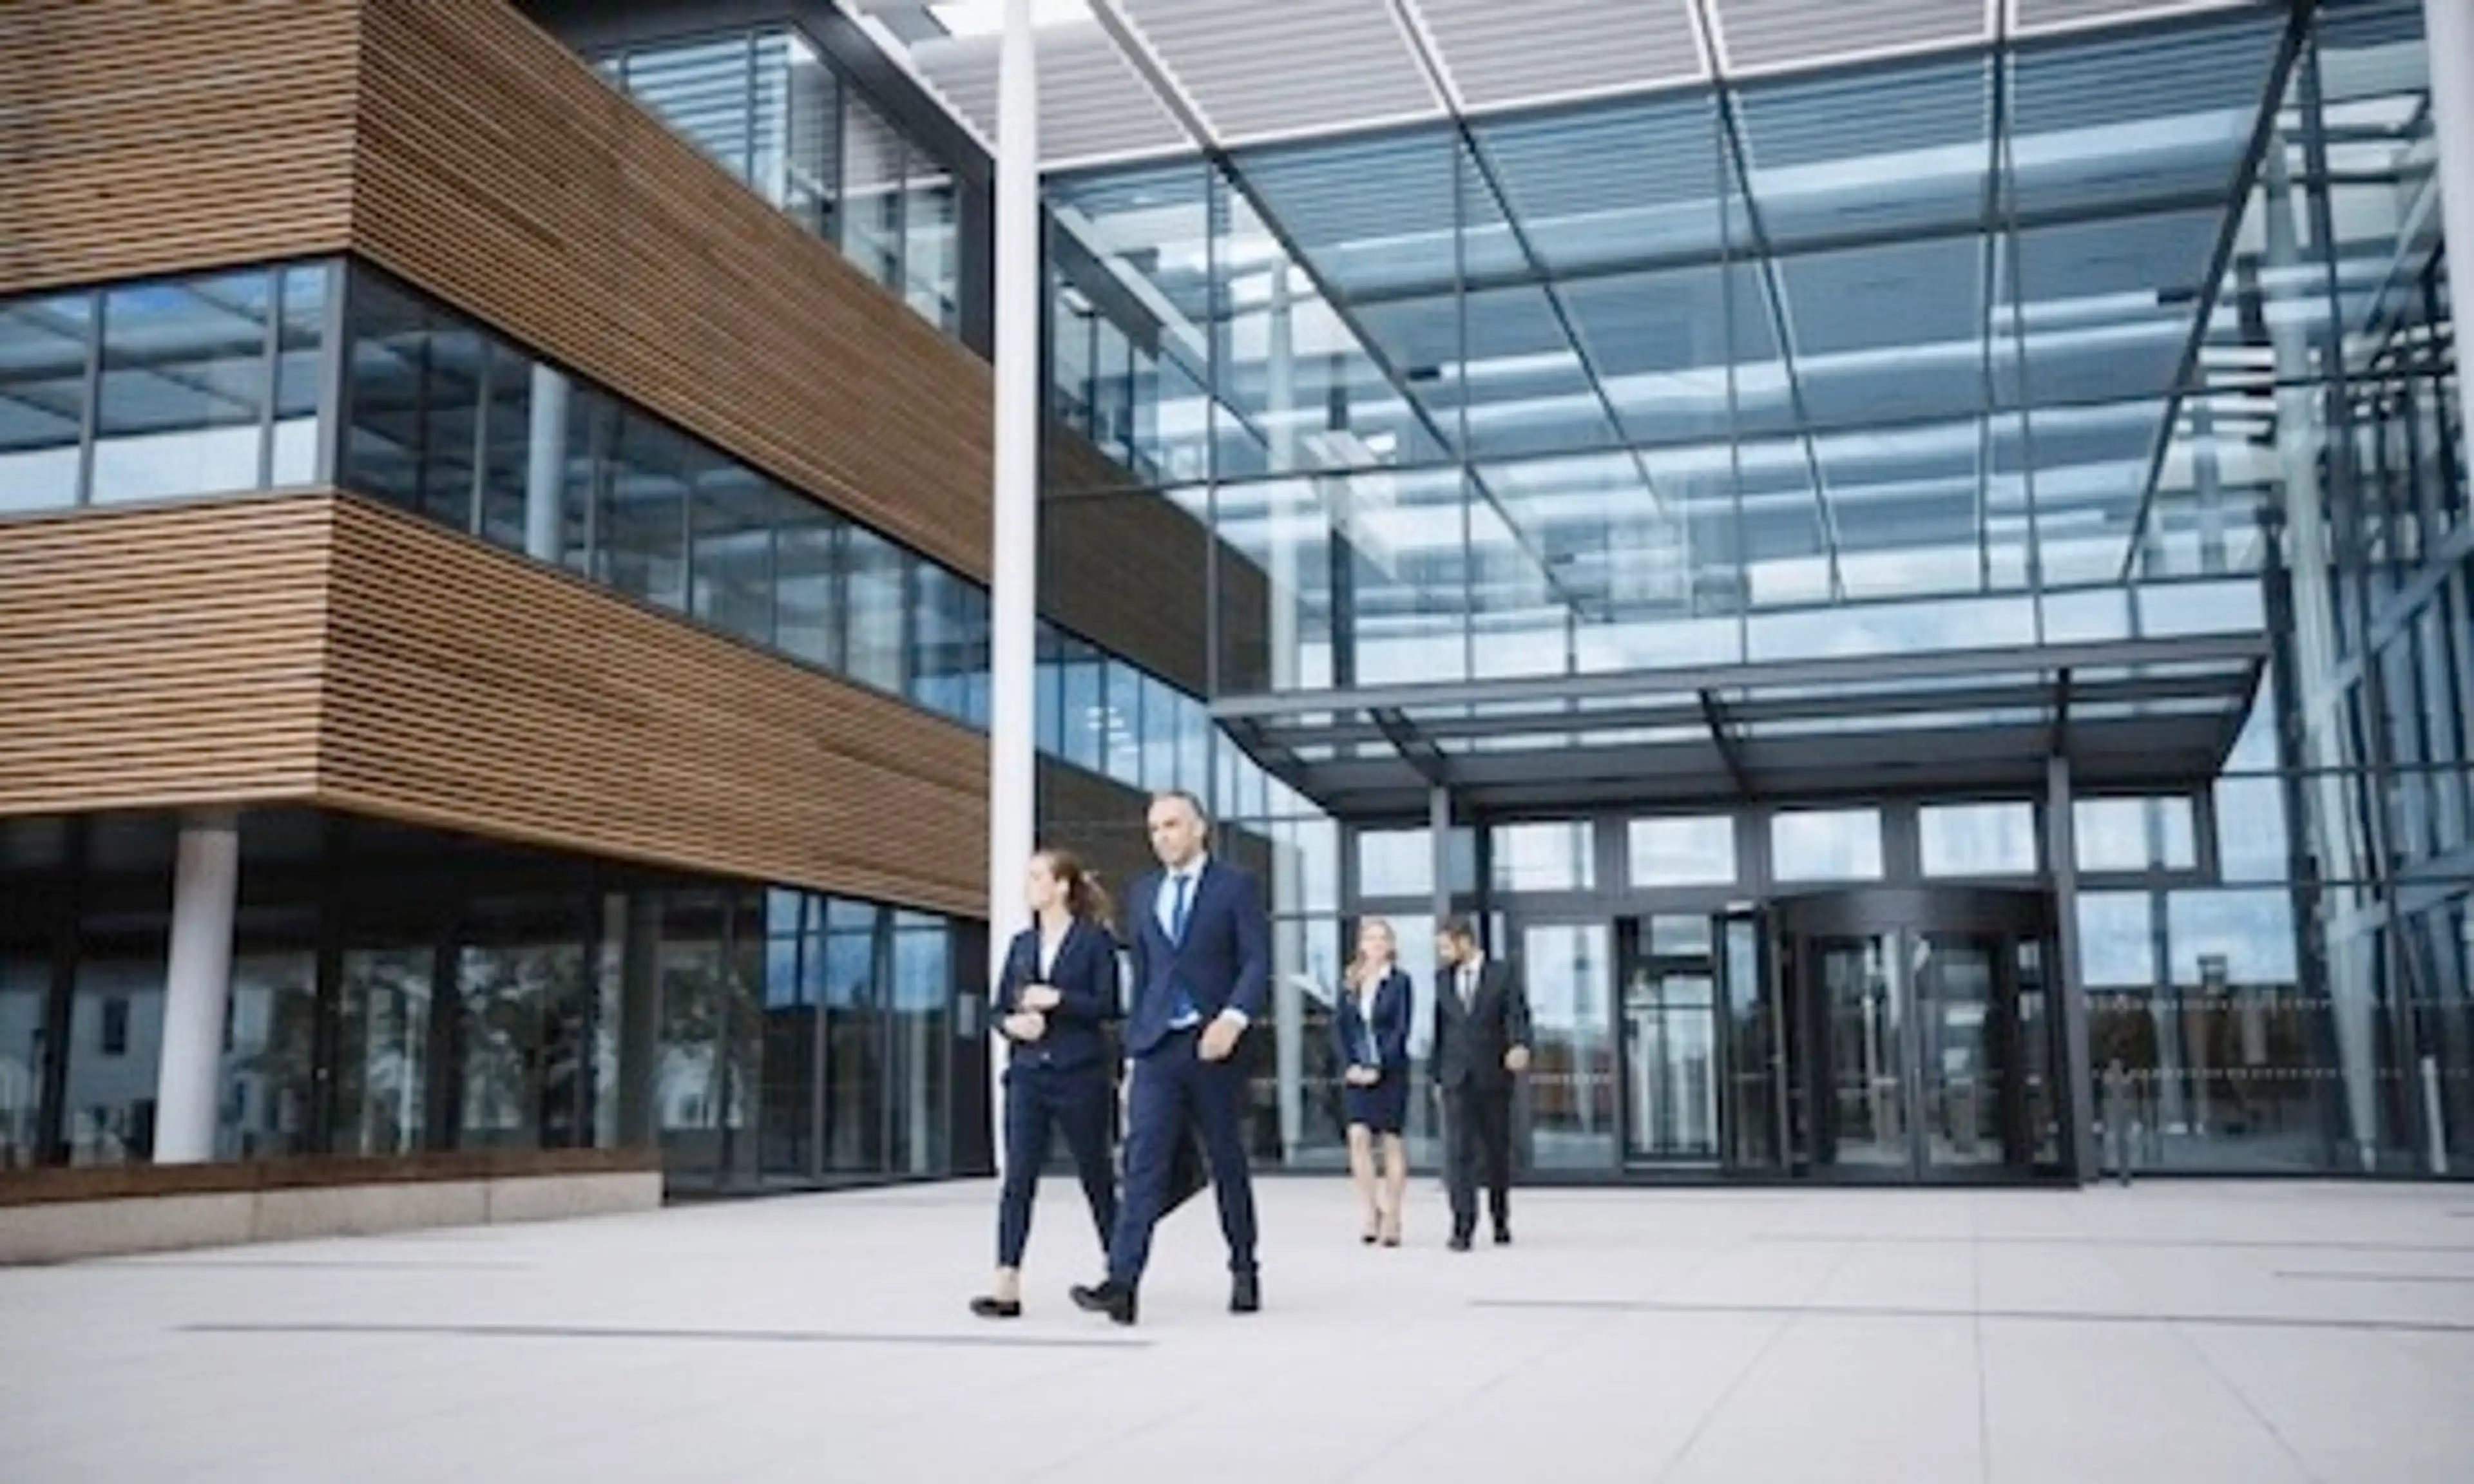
{"points": [[1223, 963], [1086, 976], [1391, 1028]]}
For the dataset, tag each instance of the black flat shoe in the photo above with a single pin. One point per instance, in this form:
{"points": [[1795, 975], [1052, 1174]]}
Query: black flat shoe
{"points": [[1459, 1243], [1368, 1239], [997, 1308], [1109, 1299], [1245, 1293], [1503, 1237]]}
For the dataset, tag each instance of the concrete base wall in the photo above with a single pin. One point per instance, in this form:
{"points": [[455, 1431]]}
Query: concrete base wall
{"points": [[67, 1230]]}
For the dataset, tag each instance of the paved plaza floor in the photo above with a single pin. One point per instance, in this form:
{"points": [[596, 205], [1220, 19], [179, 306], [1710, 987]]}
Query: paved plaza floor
{"points": [[2170, 1333]]}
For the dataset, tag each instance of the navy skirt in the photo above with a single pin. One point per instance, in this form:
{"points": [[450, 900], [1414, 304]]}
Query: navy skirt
{"points": [[1383, 1108]]}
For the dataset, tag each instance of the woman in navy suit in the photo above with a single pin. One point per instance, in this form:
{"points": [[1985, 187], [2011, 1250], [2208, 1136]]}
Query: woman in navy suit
{"points": [[1370, 1032], [1058, 991]]}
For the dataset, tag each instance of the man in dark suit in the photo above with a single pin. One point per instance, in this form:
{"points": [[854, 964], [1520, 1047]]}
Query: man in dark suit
{"points": [[1201, 949], [1481, 1045]]}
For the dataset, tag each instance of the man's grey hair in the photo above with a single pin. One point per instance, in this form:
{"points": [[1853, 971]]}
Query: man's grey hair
{"points": [[1191, 800]]}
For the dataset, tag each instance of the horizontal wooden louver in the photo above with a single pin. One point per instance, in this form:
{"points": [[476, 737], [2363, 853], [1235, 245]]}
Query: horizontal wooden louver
{"points": [[467, 685], [162, 657], [498, 171], [464, 151], [324, 649], [148, 137]]}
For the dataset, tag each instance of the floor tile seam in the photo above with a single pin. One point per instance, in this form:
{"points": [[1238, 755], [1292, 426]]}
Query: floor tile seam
{"points": [[1975, 1329], [2241, 1399], [2427, 1365], [257, 1448], [1787, 1322], [1418, 1425], [405, 1367], [1073, 1463]]}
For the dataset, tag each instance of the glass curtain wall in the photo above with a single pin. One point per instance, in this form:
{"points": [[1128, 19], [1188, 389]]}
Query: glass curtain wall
{"points": [[397, 993], [767, 107], [439, 420], [2126, 333], [152, 391], [1877, 363]]}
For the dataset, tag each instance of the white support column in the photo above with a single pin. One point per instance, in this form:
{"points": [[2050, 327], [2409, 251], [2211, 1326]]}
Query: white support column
{"points": [[197, 983], [546, 467], [1288, 516], [2448, 27], [1013, 597], [1289, 527]]}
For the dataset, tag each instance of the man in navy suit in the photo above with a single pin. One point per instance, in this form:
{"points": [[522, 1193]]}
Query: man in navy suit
{"points": [[1202, 950]]}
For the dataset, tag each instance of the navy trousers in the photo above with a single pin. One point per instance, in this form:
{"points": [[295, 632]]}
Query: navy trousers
{"points": [[1174, 1088], [1084, 1104]]}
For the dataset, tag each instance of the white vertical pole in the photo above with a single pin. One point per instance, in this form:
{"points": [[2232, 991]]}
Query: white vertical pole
{"points": [[197, 982], [2448, 28], [1013, 599]]}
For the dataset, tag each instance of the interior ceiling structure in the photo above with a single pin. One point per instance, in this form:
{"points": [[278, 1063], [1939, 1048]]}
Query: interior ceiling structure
{"points": [[1126, 79], [1874, 249], [1698, 308]]}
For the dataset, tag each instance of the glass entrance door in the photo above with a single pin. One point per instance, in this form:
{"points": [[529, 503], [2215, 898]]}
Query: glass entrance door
{"points": [[1670, 1039], [1863, 1004], [1570, 1089], [1918, 1017], [1962, 1019]]}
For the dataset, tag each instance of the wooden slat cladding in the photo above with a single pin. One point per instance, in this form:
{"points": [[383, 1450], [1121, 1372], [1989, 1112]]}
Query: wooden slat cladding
{"points": [[457, 146], [312, 649], [147, 136], [1130, 568], [470, 689], [161, 657], [497, 172]]}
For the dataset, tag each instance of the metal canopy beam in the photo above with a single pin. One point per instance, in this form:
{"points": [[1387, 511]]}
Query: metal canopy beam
{"points": [[1415, 750], [2137, 723], [1873, 670], [1747, 714], [1714, 713]]}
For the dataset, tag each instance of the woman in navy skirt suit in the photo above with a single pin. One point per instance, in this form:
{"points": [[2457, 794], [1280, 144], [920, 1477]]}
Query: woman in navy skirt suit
{"points": [[1058, 991], [1370, 1032]]}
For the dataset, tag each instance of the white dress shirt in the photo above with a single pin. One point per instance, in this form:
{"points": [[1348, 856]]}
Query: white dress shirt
{"points": [[1367, 994]]}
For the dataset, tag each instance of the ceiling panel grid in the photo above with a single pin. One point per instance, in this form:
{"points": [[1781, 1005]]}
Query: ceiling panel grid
{"points": [[1093, 104], [1763, 35], [1502, 56], [1257, 72], [2029, 17]]}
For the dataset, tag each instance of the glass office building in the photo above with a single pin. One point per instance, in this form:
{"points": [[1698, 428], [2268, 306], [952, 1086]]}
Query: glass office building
{"points": [[1925, 600], [1908, 563]]}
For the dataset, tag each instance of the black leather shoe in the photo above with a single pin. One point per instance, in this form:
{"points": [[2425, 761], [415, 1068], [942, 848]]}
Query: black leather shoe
{"points": [[1110, 1299], [1245, 1293], [997, 1308], [1503, 1237], [1460, 1241]]}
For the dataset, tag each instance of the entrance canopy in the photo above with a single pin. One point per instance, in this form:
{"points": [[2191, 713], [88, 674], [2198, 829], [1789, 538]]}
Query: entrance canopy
{"points": [[2148, 713]]}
